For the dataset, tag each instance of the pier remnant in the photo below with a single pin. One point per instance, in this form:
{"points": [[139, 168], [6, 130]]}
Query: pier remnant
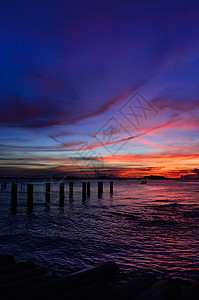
{"points": [[47, 195], [29, 197], [83, 190], [111, 187], [61, 193], [70, 190], [14, 196]]}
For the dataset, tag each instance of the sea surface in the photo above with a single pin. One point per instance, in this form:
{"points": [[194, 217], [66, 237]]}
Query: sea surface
{"points": [[144, 228]]}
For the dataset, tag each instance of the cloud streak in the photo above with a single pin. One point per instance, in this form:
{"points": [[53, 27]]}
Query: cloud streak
{"points": [[66, 69]]}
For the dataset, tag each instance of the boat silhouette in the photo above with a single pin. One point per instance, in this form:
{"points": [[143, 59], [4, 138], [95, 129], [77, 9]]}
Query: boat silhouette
{"points": [[143, 182]]}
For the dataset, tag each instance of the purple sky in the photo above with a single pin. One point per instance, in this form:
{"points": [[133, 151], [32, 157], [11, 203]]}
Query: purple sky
{"points": [[68, 70]]}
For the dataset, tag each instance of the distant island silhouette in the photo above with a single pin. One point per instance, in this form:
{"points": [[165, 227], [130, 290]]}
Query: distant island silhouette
{"points": [[100, 177], [154, 177]]}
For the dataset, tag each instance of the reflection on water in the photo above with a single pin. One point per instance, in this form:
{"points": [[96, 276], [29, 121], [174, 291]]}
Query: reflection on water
{"points": [[142, 227]]}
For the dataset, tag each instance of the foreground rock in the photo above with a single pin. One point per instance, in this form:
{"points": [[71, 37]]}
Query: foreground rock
{"points": [[27, 281]]}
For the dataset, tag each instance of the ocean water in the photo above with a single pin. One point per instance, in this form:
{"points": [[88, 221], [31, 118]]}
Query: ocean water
{"points": [[153, 227]]}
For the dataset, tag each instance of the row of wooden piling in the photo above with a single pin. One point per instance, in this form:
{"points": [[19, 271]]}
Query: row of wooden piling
{"points": [[30, 190]]}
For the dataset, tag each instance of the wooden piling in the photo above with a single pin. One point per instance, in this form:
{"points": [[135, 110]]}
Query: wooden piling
{"points": [[29, 197], [61, 193], [83, 190], [14, 196], [111, 187], [88, 189], [70, 190], [100, 188], [47, 196]]}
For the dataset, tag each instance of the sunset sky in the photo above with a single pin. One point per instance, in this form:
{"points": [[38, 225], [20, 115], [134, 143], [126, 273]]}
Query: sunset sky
{"points": [[99, 86]]}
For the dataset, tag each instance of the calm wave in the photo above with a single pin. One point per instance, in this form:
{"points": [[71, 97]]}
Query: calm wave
{"points": [[151, 227]]}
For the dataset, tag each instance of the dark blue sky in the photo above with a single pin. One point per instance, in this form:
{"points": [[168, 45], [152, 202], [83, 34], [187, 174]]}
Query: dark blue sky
{"points": [[67, 67]]}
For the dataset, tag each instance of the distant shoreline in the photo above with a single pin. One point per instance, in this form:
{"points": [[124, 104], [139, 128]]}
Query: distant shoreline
{"points": [[86, 178]]}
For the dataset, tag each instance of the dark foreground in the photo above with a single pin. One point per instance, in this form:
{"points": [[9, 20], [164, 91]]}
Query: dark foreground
{"points": [[27, 281]]}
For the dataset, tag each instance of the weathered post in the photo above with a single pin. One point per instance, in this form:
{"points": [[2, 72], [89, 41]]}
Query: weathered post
{"points": [[47, 195], [14, 196], [29, 198], [88, 189], [83, 190], [100, 188], [111, 187], [61, 193], [70, 190]]}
